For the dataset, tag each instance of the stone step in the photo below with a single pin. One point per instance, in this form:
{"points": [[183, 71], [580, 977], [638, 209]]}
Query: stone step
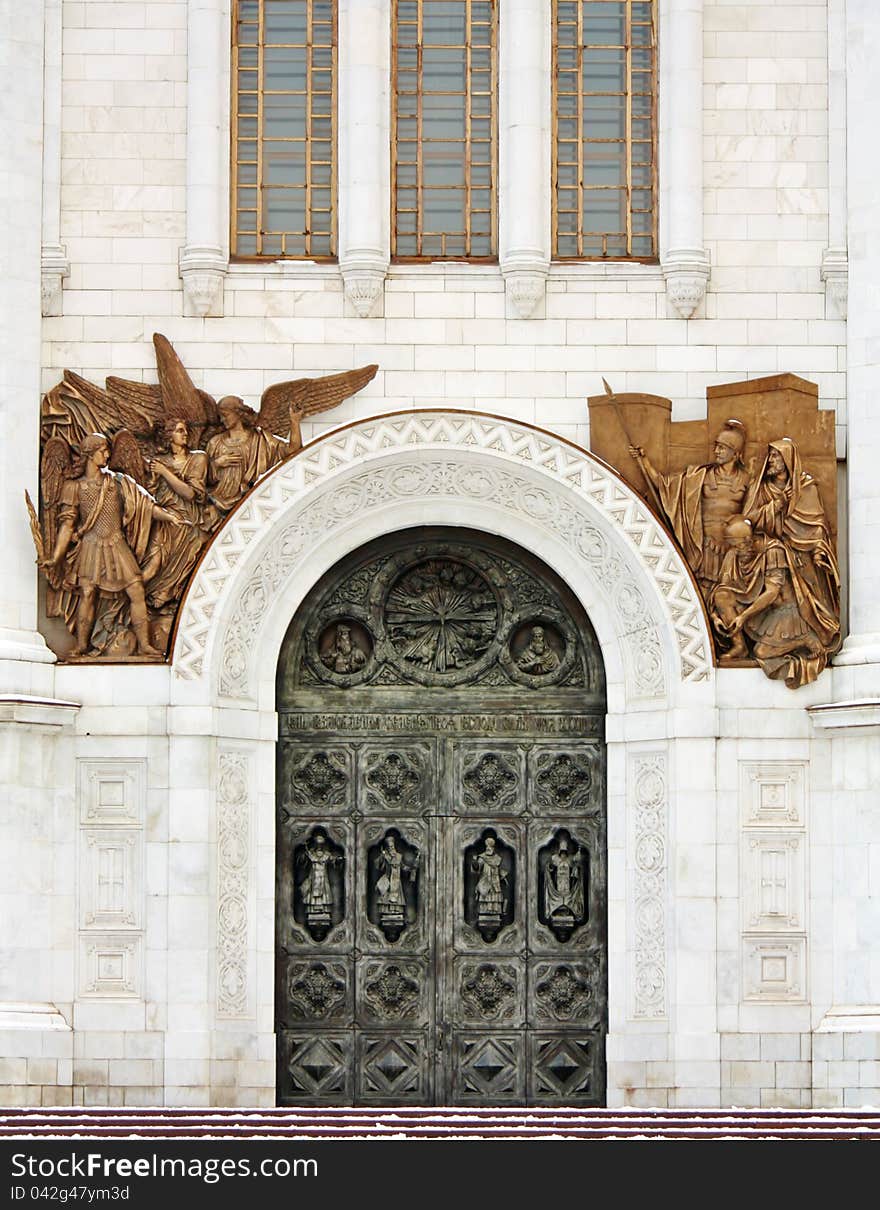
{"points": [[438, 1123]]}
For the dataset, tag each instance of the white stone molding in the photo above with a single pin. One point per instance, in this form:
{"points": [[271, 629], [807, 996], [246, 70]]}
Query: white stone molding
{"points": [[112, 792], [684, 260], [838, 716], [834, 267], [524, 155], [111, 880], [647, 859], [204, 259], [773, 880], [364, 152], [54, 265], [110, 966], [408, 465], [234, 892], [861, 650]]}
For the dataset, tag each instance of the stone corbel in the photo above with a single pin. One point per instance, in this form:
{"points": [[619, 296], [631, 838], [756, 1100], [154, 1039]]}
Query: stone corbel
{"points": [[54, 267], [834, 272], [203, 270], [686, 271], [525, 283], [363, 276]]}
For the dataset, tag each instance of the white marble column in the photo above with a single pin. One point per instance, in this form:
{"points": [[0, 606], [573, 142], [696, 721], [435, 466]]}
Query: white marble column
{"points": [[55, 265], [683, 258], [834, 259], [524, 65], [21, 136], [863, 345], [364, 150], [204, 258]]}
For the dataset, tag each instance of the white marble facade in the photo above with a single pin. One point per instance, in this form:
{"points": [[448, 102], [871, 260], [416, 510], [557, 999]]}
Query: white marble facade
{"points": [[137, 843]]}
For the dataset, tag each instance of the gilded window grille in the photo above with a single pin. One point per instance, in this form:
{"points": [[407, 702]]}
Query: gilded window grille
{"points": [[284, 129], [605, 129], [444, 129]]}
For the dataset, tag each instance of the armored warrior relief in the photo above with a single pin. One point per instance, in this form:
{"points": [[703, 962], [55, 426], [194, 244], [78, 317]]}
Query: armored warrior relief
{"points": [[118, 560]]}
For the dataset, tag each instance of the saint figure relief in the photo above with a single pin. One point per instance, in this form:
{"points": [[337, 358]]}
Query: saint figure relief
{"points": [[315, 889], [538, 657], [344, 656], [104, 524], [564, 887], [392, 866], [491, 901], [700, 500]]}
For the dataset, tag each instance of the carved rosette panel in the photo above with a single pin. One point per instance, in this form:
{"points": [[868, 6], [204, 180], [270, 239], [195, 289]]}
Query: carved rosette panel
{"points": [[316, 1068], [565, 1068], [488, 1068], [316, 779], [567, 992], [575, 499], [378, 927], [318, 991], [233, 876], [647, 793], [397, 779], [474, 925], [490, 780], [489, 992], [296, 928], [393, 992], [393, 1067], [565, 779]]}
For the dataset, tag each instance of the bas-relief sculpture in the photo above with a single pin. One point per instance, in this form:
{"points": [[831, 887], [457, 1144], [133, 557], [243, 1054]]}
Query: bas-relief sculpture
{"points": [[755, 527], [135, 480]]}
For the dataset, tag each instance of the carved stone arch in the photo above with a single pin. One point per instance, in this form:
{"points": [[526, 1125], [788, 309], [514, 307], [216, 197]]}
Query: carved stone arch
{"points": [[459, 468]]}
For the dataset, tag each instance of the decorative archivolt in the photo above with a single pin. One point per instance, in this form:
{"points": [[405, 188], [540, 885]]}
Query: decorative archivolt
{"points": [[427, 456]]}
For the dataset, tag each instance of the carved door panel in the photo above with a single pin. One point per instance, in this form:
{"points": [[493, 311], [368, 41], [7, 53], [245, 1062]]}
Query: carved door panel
{"points": [[441, 868]]}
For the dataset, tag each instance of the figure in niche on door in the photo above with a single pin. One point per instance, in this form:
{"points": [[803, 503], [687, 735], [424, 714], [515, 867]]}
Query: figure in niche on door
{"points": [[316, 891], [393, 867], [561, 879], [489, 889]]}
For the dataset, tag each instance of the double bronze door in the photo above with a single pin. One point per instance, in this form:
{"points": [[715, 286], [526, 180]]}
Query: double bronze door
{"points": [[441, 916]]}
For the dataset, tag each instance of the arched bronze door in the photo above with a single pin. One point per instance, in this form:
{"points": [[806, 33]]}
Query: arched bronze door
{"points": [[441, 851]]}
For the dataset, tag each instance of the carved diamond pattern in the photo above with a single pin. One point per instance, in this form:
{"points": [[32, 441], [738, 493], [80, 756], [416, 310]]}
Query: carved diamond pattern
{"points": [[317, 1066], [488, 1067], [564, 1068], [391, 1067]]}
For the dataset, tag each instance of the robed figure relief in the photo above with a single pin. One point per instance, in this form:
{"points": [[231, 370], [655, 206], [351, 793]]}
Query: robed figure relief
{"points": [[491, 893], [564, 889], [393, 867], [117, 559], [779, 588], [316, 890]]}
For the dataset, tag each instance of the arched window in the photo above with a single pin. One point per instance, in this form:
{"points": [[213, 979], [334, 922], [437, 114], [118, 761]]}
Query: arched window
{"points": [[444, 129], [284, 129], [605, 127]]}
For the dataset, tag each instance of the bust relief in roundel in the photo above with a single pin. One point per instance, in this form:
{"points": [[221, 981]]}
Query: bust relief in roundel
{"points": [[439, 608]]}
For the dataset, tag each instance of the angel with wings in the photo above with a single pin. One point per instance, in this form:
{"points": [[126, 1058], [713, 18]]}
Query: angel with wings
{"points": [[153, 435]]}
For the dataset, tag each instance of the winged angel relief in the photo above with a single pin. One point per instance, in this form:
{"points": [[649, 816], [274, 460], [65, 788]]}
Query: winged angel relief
{"points": [[136, 478]]}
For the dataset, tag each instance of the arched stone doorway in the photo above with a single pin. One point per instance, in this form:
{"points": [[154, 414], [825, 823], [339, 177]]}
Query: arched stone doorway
{"points": [[441, 893]]}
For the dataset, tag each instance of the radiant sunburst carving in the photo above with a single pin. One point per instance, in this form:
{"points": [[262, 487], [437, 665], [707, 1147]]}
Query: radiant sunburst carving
{"points": [[441, 615]]}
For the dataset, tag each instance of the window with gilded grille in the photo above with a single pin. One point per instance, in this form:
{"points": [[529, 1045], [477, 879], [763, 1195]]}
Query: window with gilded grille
{"points": [[443, 129], [284, 129], [604, 146]]}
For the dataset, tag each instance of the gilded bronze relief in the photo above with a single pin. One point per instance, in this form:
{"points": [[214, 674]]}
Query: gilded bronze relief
{"points": [[757, 529], [135, 480]]}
